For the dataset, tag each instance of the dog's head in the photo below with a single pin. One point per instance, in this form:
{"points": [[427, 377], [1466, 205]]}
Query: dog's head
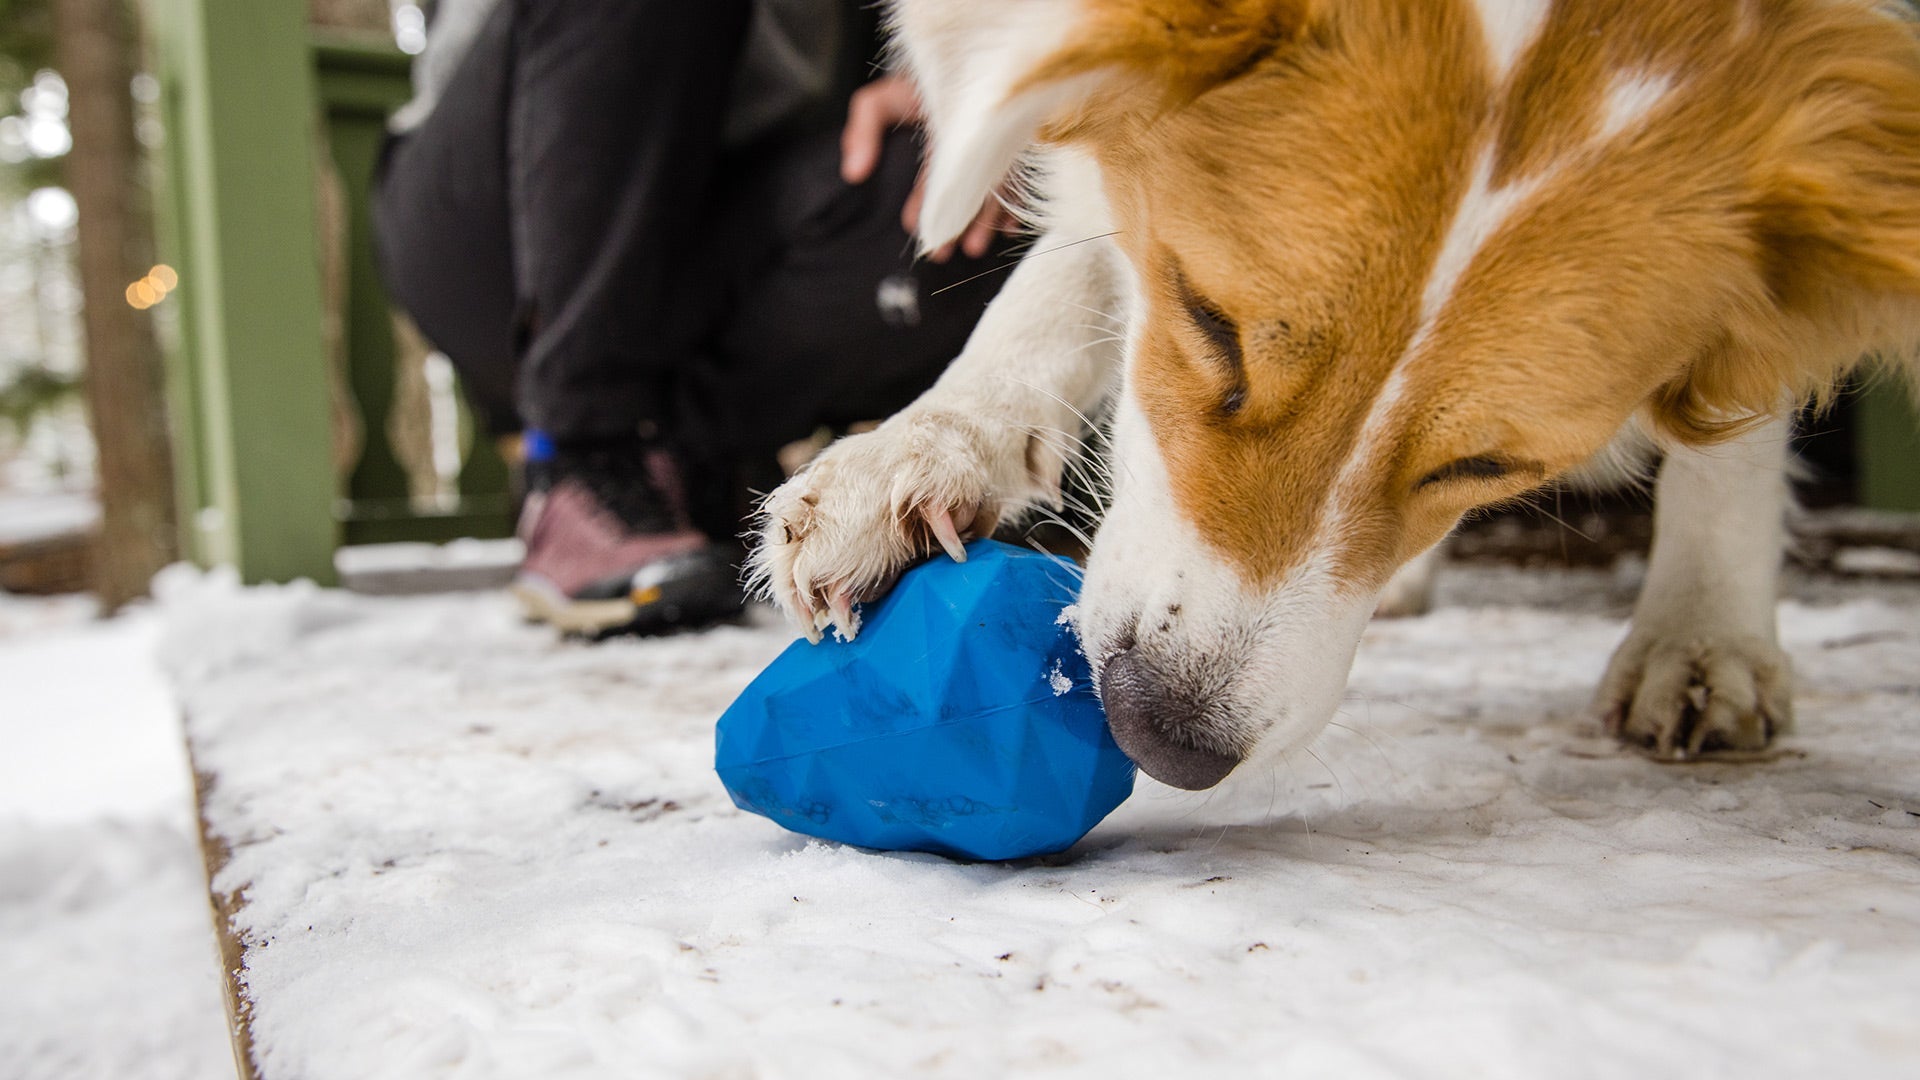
{"points": [[1398, 259]]}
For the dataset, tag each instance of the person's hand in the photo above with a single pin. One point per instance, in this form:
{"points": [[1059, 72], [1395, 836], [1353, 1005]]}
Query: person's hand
{"points": [[877, 108]]}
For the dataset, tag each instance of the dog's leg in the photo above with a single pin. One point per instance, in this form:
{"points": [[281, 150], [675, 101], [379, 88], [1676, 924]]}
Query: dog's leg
{"points": [[1410, 590], [1702, 669], [988, 440]]}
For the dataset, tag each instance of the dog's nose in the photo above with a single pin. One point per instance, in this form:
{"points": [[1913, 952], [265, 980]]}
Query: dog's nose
{"points": [[1159, 727]]}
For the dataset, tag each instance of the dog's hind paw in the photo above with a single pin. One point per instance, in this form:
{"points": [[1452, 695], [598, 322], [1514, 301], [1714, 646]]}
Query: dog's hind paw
{"points": [[1680, 698], [842, 529]]}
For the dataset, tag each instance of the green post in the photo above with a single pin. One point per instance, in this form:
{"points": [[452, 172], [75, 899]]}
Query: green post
{"points": [[176, 331], [358, 87], [1889, 446], [239, 81]]}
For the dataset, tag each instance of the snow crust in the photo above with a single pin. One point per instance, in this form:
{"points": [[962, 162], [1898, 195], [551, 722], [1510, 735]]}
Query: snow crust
{"points": [[107, 959], [469, 850]]}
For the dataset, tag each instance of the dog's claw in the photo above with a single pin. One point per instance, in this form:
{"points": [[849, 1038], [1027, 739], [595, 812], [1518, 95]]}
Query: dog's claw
{"points": [[841, 531], [942, 523], [1687, 699], [805, 611], [841, 608]]}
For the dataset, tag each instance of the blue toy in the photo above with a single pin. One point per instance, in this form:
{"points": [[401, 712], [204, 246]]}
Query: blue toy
{"points": [[962, 720]]}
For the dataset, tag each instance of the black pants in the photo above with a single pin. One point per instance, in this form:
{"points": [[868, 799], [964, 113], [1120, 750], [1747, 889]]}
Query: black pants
{"points": [[567, 227]]}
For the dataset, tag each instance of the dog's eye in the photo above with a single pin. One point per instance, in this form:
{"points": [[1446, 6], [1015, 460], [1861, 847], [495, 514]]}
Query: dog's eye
{"points": [[1221, 332], [1467, 468], [1222, 336]]}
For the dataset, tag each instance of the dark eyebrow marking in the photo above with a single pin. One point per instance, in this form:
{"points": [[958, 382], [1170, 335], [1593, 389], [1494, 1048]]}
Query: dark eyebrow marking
{"points": [[1479, 467], [1220, 331], [1222, 335]]}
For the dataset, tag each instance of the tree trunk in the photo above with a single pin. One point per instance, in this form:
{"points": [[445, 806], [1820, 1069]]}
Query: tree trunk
{"points": [[123, 374]]}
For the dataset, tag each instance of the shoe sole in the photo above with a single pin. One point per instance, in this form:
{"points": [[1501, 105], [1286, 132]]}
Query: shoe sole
{"points": [[589, 618], [606, 618]]}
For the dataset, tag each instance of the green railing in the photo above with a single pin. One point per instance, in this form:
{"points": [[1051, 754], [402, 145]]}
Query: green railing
{"points": [[359, 87], [243, 86]]}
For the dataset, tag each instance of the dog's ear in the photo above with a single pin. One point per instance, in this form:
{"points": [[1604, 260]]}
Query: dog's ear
{"points": [[993, 72]]}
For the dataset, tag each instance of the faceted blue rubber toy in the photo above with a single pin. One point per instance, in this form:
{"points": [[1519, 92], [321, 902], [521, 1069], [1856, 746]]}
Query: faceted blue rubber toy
{"points": [[961, 720]]}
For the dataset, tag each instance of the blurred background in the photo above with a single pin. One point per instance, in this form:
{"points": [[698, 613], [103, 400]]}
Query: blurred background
{"points": [[198, 362], [196, 358]]}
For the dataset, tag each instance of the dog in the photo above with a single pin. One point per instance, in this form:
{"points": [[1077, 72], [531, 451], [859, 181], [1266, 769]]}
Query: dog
{"points": [[1340, 272]]}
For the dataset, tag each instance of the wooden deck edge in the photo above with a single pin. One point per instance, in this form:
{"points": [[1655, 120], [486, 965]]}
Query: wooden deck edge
{"points": [[214, 853], [48, 565]]}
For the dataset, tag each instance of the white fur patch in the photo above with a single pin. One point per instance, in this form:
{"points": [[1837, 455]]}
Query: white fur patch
{"points": [[1275, 660], [1630, 97], [966, 60], [1482, 211], [1509, 27]]}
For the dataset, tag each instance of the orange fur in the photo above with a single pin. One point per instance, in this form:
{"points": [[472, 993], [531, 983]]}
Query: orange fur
{"points": [[1182, 47], [1295, 166]]}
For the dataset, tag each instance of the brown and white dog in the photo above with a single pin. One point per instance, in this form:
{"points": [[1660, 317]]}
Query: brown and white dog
{"points": [[1343, 270]]}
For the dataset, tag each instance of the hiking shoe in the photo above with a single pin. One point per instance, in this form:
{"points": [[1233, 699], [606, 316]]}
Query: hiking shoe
{"points": [[697, 589], [609, 548]]}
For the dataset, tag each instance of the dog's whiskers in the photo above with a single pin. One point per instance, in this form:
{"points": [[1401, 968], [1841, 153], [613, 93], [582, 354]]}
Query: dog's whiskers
{"points": [[1093, 480], [1117, 320], [1306, 821], [1068, 405], [1334, 776], [1531, 504], [1011, 263], [1071, 530], [1088, 471], [1351, 730]]}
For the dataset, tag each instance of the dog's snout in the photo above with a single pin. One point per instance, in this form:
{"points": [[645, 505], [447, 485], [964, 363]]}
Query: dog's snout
{"points": [[1164, 730]]}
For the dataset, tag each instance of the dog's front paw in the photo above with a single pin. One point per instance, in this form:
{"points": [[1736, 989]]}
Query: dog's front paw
{"points": [[1682, 696], [841, 530]]}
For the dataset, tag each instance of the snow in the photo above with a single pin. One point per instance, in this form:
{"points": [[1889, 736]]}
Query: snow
{"points": [[107, 964], [1877, 560], [30, 517], [394, 569], [390, 558], [90, 728], [470, 850]]}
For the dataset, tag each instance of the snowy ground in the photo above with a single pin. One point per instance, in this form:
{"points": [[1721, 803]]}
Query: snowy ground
{"points": [[107, 967], [470, 851]]}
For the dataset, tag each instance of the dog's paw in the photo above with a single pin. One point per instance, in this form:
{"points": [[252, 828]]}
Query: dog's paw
{"points": [[1681, 696], [871, 505]]}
